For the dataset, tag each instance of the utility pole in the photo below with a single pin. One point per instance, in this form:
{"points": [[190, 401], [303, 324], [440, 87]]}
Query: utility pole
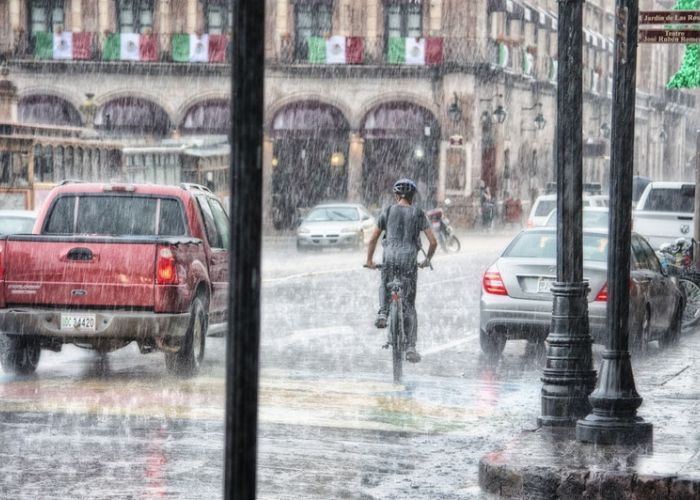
{"points": [[615, 401], [568, 376], [243, 340]]}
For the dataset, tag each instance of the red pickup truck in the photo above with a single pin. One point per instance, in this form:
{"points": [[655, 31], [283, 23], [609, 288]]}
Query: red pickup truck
{"points": [[109, 264]]}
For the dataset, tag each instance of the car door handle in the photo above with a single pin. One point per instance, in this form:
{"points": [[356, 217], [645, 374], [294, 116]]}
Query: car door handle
{"points": [[80, 254]]}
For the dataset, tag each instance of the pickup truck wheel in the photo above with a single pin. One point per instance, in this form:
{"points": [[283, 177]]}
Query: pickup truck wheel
{"points": [[187, 361], [19, 355]]}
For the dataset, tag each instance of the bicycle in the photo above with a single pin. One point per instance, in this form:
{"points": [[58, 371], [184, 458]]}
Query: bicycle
{"points": [[397, 338], [677, 260]]}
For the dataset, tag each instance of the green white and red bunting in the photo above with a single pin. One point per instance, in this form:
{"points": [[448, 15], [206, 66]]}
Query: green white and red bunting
{"points": [[63, 46], [130, 47], [190, 47], [415, 51], [335, 50]]}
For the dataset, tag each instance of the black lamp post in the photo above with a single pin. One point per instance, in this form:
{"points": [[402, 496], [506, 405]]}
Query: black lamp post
{"points": [[500, 114], [615, 400], [568, 376]]}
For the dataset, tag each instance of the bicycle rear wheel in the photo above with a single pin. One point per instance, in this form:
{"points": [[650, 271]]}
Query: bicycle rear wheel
{"points": [[395, 321], [691, 311]]}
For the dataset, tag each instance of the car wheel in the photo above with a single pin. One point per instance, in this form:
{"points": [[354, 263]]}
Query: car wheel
{"points": [[641, 338], [187, 361], [492, 343], [300, 248], [673, 334], [18, 354]]}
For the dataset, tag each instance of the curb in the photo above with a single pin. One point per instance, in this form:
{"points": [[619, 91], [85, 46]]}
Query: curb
{"points": [[573, 470]]}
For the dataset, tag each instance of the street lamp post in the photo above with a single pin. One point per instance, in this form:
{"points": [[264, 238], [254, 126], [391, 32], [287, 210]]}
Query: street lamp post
{"points": [[568, 376], [615, 400]]}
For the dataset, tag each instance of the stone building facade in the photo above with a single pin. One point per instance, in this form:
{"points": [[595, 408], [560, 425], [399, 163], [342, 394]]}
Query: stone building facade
{"points": [[358, 92]]}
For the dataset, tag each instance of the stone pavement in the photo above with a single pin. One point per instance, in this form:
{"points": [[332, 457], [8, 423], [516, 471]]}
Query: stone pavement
{"points": [[538, 464]]}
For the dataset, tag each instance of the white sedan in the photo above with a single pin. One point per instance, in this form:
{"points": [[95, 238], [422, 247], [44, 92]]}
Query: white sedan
{"points": [[336, 225]]}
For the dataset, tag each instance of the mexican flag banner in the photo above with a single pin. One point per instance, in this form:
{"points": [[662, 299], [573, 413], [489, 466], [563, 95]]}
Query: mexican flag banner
{"points": [[336, 50], [416, 51], [190, 47], [130, 47], [63, 46]]}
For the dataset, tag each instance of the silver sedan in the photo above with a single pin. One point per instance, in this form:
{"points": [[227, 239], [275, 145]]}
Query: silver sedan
{"points": [[335, 225], [516, 301]]}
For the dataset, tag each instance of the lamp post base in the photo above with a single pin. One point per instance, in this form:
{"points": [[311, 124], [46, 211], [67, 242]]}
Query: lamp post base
{"points": [[610, 430]]}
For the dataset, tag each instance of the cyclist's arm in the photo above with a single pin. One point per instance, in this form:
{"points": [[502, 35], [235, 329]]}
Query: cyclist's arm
{"points": [[432, 243], [372, 246]]}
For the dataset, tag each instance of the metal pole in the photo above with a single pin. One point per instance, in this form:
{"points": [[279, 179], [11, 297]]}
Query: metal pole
{"points": [[242, 357], [615, 401], [568, 376], [696, 219]]}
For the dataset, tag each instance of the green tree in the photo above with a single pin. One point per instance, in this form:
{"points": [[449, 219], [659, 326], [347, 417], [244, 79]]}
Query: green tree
{"points": [[688, 76]]}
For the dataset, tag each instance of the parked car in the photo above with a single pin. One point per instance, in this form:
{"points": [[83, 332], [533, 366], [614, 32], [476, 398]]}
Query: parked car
{"points": [[593, 217], [16, 221], [516, 301], [113, 264], [335, 225], [665, 212], [543, 206]]}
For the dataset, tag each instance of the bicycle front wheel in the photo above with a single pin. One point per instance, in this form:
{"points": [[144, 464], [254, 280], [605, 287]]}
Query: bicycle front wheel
{"points": [[691, 311], [396, 324]]}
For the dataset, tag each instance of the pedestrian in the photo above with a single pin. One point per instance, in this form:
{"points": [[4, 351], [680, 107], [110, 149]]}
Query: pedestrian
{"points": [[487, 206], [401, 224]]}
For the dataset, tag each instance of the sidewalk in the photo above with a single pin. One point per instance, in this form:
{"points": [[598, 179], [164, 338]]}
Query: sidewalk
{"points": [[538, 465]]}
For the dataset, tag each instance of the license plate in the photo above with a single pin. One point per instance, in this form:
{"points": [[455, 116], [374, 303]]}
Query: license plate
{"points": [[544, 285], [78, 322]]}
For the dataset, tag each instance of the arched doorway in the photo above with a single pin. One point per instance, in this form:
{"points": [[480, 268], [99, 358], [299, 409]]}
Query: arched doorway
{"points": [[212, 116], [47, 109], [401, 140], [309, 159], [133, 116]]}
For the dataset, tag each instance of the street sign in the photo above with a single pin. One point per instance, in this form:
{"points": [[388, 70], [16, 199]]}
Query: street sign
{"points": [[684, 36], [669, 17]]}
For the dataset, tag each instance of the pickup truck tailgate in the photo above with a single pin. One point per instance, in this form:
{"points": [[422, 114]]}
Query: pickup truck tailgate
{"points": [[79, 272], [662, 227]]}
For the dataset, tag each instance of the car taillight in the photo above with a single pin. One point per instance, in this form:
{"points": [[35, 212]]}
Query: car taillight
{"points": [[493, 283], [166, 272], [530, 223], [602, 294], [2, 266]]}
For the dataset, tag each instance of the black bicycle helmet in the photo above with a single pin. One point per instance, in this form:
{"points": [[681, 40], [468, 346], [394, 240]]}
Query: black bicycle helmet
{"points": [[405, 187]]}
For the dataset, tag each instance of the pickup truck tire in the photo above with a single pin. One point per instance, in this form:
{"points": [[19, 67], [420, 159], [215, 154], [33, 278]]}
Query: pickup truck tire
{"points": [[18, 354], [187, 361]]}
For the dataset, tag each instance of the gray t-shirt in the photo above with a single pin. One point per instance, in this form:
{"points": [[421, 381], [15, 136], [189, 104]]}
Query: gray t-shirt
{"points": [[402, 226]]}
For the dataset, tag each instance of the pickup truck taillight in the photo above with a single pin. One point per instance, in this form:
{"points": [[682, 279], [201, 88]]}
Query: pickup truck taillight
{"points": [[166, 272]]}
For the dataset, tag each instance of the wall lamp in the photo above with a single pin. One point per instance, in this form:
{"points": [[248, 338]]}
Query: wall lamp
{"points": [[498, 115], [454, 111], [539, 120]]}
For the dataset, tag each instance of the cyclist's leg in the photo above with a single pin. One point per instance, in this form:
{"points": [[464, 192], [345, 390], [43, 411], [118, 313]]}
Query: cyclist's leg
{"points": [[384, 294], [410, 277]]}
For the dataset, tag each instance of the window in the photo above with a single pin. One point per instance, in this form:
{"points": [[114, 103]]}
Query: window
{"points": [[135, 16], [311, 18], [46, 16], [116, 215], [60, 220], [213, 235], [221, 222], [404, 19], [172, 222], [217, 16]]}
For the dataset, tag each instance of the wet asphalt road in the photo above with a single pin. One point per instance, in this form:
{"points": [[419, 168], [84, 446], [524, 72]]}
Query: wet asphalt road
{"points": [[332, 425]]}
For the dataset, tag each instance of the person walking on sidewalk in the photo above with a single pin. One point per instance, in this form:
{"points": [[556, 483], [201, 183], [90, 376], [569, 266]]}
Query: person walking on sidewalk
{"points": [[401, 224]]}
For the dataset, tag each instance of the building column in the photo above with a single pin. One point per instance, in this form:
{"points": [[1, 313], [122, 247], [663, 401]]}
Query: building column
{"points": [[373, 49], [356, 152], [435, 17], [191, 16], [164, 27], [76, 16], [8, 96], [442, 171], [268, 154], [104, 16]]}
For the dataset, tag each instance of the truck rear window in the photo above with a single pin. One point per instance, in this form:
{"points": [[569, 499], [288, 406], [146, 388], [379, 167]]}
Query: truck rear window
{"points": [[111, 215], [669, 200]]}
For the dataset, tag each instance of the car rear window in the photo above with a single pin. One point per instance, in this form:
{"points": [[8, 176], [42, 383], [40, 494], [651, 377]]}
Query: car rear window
{"points": [[669, 200], [544, 207], [536, 245], [326, 214], [115, 215]]}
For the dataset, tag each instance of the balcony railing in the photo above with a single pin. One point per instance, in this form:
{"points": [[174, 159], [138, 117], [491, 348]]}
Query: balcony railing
{"points": [[134, 47]]}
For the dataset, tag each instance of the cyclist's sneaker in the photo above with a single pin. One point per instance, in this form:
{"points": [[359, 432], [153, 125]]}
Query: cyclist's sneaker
{"points": [[380, 322], [412, 355]]}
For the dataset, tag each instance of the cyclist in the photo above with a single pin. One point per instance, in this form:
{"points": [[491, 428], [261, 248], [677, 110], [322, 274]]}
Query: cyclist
{"points": [[402, 224]]}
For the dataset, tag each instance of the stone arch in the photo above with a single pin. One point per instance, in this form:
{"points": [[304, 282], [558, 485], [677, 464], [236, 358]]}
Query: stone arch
{"points": [[181, 111], [157, 99], [133, 115], [401, 139], [48, 108], [292, 99], [207, 116]]}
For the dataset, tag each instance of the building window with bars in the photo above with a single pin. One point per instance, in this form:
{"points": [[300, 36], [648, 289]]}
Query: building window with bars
{"points": [[311, 18], [135, 16], [403, 19], [46, 16], [218, 17]]}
